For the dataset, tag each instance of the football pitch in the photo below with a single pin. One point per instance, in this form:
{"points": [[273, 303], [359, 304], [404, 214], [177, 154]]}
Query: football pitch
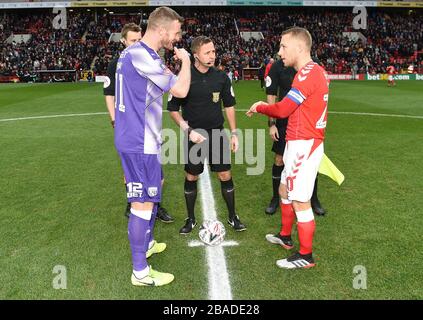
{"points": [[62, 201]]}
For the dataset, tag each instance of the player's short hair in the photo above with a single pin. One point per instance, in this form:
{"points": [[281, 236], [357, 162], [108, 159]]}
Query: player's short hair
{"points": [[162, 16], [300, 33], [129, 27], [198, 42]]}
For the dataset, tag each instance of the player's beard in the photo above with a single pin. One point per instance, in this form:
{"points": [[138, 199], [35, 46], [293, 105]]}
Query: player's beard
{"points": [[167, 43]]}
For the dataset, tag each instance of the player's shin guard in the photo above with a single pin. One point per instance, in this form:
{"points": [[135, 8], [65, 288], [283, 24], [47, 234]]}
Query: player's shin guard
{"points": [[276, 179], [287, 217], [139, 237], [190, 190], [228, 193], [306, 227]]}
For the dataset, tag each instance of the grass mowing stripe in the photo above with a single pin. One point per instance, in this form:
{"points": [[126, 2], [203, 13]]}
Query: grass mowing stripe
{"points": [[219, 286]]}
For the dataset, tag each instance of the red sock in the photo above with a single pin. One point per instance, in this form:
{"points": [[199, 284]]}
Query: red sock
{"points": [[305, 235], [287, 219]]}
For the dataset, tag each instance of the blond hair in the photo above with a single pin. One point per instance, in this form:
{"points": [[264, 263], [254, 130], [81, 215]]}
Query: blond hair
{"points": [[300, 33], [162, 16]]}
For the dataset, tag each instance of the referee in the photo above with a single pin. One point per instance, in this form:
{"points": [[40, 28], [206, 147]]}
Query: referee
{"points": [[202, 120], [278, 83], [131, 33]]}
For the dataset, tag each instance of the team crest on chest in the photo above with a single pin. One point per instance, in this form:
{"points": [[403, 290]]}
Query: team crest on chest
{"points": [[216, 97]]}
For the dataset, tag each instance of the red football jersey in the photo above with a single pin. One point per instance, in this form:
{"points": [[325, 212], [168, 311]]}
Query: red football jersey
{"points": [[390, 70], [310, 90]]}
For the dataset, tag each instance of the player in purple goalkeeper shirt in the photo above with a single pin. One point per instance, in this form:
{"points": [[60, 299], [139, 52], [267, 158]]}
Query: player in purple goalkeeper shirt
{"points": [[141, 80]]}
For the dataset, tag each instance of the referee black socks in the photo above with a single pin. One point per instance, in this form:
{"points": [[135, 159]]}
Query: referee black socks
{"points": [[228, 193], [276, 179], [190, 190]]}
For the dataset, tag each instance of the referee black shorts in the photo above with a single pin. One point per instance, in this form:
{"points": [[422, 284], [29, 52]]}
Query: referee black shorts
{"points": [[216, 149], [279, 146]]}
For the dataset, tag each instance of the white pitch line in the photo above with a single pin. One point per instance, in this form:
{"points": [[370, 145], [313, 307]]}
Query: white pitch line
{"points": [[219, 286], [197, 243], [364, 114], [238, 110], [55, 116], [377, 114]]}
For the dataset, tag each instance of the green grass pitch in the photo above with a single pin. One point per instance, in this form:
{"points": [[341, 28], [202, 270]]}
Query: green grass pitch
{"points": [[62, 201]]}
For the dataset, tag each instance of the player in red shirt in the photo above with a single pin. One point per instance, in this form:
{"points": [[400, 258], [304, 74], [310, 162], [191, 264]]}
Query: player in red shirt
{"points": [[305, 106], [236, 75], [268, 66], [391, 71]]}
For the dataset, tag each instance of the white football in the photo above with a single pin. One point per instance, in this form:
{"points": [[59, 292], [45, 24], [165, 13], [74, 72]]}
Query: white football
{"points": [[212, 232]]}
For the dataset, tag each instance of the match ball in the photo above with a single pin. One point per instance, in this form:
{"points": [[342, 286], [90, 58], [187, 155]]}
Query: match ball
{"points": [[212, 232]]}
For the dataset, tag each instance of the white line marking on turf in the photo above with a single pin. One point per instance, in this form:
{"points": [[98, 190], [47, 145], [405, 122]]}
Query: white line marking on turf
{"points": [[364, 114], [55, 116], [239, 110], [197, 243], [377, 114], [219, 286]]}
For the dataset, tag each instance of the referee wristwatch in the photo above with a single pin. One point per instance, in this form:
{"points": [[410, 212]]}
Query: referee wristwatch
{"points": [[271, 122], [188, 131]]}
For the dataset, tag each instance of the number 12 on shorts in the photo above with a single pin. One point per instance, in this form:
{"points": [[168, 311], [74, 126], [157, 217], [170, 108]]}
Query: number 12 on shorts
{"points": [[134, 189]]}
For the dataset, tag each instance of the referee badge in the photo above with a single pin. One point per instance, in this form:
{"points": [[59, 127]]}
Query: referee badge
{"points": [[268, 81], [106, 82], [216, 97]]}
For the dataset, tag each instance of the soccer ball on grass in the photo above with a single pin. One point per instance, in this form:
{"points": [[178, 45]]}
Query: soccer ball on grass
{"points": [[212, 232]]}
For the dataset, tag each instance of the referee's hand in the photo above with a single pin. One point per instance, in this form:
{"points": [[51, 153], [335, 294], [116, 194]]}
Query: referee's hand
{"points": [[274, 133], [234, 143], [196, 137]]}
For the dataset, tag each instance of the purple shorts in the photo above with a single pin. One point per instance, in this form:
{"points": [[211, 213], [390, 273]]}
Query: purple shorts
{"points": [[143, 175]]}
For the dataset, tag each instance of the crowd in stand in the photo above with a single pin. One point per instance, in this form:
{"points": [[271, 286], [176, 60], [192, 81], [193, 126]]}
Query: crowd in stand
{"points": [[391, 37]]}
